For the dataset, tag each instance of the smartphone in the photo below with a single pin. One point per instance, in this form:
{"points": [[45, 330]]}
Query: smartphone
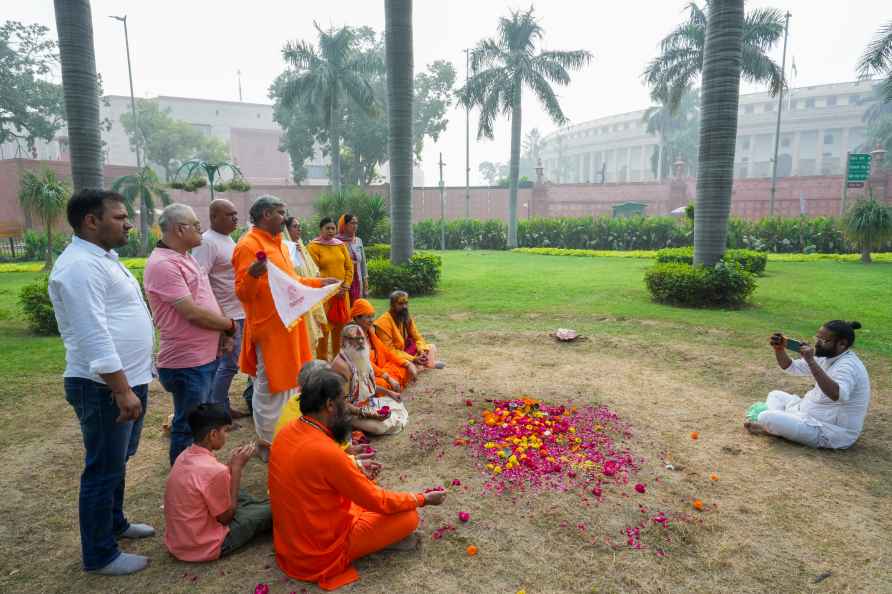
{"points": [[793, 345]]}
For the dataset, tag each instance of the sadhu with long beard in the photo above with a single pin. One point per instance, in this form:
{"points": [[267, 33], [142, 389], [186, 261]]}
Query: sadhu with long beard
{"points": [[376, 410], [397, 330]]}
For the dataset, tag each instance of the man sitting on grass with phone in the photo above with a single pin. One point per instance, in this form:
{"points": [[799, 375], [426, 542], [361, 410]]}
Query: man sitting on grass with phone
{"points": [[832, 413]]}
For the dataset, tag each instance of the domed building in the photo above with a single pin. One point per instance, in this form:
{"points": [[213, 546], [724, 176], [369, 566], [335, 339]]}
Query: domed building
{"points": [[820, 124]]}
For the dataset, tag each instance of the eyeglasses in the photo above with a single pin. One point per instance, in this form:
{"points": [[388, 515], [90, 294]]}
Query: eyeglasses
{"points": [[196, 225]]}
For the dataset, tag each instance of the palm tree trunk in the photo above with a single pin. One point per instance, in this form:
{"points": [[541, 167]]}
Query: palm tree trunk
{"points": [[75, 27], [49, 247], [865, 254], [722, 57], [400, 83], [334, 141], [514, 170]]}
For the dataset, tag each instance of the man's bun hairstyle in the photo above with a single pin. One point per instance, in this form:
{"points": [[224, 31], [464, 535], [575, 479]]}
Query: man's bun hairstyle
{"points": [[843, 329]]}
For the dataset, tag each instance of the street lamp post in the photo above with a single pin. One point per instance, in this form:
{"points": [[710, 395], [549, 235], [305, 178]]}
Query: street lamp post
{"points": [[143, 206], [780, 108], [467, 144]]}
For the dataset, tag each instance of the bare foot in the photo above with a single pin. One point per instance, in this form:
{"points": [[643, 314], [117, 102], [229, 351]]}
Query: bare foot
{"points": [[238, 414], [754, 428], [410, 543]]}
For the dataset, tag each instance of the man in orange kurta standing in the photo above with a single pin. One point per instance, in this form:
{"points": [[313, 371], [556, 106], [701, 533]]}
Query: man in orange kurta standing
{"points": [[326, 512], [271, 353], [393, 369]]}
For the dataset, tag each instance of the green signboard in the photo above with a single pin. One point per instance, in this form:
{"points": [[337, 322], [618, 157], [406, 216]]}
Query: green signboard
{"points": [[857, 170]]}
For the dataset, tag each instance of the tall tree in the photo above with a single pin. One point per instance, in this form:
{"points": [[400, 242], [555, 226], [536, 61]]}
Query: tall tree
{"points": [[166, 141], [502, 67], [677, 132], [877, 59], [74, 23], [400, 94], [142, 188], [722, 62], [31, 107], [682, 53], [324, 78], [45, 196]]}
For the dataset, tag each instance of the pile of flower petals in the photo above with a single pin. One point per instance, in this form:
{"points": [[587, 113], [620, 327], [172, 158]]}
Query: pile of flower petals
{"points": [[525, 443]]}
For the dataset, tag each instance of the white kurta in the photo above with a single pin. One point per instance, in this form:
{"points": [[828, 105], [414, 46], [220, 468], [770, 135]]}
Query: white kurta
{"points": [[839, 422]]}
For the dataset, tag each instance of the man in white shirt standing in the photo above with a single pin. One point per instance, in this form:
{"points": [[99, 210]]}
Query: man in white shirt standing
{"points": [[108, 336], [214, 255], [831, 415]]}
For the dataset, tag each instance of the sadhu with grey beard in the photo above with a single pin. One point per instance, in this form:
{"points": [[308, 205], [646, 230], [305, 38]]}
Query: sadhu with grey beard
{"points": [[397, 330], [375, 409]]}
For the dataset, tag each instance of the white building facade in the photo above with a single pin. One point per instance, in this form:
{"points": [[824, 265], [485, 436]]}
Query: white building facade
{"points": [[819, 125]]}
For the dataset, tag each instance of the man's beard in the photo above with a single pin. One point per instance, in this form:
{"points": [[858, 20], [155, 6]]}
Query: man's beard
{"points": [[402, 317], [342, 425], [822, 351], [362, 362]]}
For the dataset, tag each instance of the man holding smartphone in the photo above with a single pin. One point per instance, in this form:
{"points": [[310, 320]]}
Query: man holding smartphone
{"points": [[831, 415]]}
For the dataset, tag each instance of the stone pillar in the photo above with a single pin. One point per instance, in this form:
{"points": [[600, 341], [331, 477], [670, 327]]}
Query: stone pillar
{"points": [[878, 183], [539, 196], [794, 170], [819, 158], [678, 187]]}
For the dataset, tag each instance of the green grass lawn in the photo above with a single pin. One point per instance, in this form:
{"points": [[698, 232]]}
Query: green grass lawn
{"points": [[518, 291], [510, 291]]}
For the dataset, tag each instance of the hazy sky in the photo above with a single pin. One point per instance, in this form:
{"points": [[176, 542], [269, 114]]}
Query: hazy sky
{"points": [[193, 48]]}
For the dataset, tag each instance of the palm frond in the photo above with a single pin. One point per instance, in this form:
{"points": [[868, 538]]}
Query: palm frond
{"points": [[558, 62], [520, 31], [300, 55], [549, 100], [877, 56], [758, 67], [763, 27], [487, 53]]}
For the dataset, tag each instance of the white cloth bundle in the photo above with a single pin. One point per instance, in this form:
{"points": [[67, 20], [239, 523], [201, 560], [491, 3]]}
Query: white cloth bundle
{"points": [[292, 298]]}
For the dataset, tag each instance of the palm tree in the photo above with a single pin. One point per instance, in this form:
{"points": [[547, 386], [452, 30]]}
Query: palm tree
{"points": [[722, 62], [143, 188], [664, 123], [681, 57], [869, 224], [400, 93], [502, 67], [877, 59], [44, 196], [81, 90], [322, 79]]}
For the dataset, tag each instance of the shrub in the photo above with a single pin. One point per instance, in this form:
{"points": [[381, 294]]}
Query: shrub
{"points": [[374, 226], [419, 276], [377, 251], [35, 302], [35, 244], [725, 285], [750, 260]]}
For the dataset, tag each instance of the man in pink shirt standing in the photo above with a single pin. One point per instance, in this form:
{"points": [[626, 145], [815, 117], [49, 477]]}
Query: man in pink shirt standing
{"points": [[191, 327], [215, 257]]}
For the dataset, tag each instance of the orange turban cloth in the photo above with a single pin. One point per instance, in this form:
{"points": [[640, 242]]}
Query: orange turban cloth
{"points": [[342, 225], [362, 307]]}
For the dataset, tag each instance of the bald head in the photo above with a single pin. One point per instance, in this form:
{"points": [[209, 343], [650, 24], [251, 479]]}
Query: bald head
{"points": [[223, 215]]}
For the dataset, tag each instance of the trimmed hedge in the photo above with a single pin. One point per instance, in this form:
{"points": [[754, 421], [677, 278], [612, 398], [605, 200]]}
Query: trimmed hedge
{"points": [[725, 285], [419, 276], [749, 260], [377, 251], [35, 301]]}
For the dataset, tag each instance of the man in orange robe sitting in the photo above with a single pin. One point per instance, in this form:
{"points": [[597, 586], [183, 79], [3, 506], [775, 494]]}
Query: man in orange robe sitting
{"points": [[393, 369], [326, 512], [270, 352], [397, 330]]}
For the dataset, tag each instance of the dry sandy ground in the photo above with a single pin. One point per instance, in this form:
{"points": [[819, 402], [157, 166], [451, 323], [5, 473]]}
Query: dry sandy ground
{"points": [[779, 517]]}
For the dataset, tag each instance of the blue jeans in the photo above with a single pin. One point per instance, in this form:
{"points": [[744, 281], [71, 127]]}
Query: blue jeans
{"points": [[108, 446], [189, 386], [227, 368]]}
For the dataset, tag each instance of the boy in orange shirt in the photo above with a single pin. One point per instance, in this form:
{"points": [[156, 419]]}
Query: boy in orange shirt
{"points": [[205, 515]]}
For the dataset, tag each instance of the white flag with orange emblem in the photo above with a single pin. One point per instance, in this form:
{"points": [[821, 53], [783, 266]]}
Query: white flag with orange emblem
{"points": [[294, 299]]}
